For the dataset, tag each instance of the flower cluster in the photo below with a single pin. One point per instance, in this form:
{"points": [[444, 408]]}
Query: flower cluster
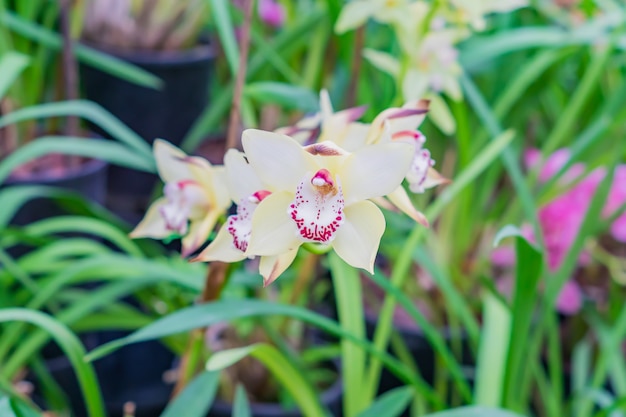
{"points": [[325, 191], [561, 218]]}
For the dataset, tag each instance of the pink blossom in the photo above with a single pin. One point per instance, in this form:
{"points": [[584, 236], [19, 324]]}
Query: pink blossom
{"points": [[271, 12], [615, 199]]}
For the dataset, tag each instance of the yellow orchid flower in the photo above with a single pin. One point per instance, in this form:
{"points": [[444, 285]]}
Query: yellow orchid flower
{"points": [[319, 194], [195, 195]]}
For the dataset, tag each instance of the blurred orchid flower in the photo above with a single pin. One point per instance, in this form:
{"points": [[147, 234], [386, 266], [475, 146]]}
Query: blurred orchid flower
{"points": [[615, 199], [319, 194], [473, 12], [195, 197], [357, 12], [327, 122], [271, 12], [232, 240]]}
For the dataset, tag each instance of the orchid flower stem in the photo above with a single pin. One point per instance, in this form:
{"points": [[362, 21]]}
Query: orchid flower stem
{"points": [[234, 123], [305, 274], [357, 60], [191, 360]]}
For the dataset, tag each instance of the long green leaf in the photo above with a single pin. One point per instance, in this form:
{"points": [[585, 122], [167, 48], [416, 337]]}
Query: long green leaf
{"points": [[11, 66], [72, 348], [241, 406], [390, 404], [475, 411], [286, 95], [97, 149], [289, 377], [88, 110], [88, 55], [225, 29], [197, 397]]}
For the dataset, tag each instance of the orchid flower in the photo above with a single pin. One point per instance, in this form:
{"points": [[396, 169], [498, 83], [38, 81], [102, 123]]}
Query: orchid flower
{"points": [[194, 198], [319, 194], [271, 12], [316, 127], [473, 12], [232, 240], [357, 12]]}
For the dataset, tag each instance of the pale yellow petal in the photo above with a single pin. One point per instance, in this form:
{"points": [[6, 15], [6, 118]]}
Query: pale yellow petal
{"points": [[241, 179], [400, 199], [170, 162], [278, 161], [355, 14], [273, 231], [271, 267], [152, 225], [375, 170], [212, 179], [221, 249], [199, 231], [434, 178], [357, 240]]}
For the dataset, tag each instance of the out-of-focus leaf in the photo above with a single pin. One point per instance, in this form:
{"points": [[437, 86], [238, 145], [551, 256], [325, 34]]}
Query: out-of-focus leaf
{"points": [[286, 95]]}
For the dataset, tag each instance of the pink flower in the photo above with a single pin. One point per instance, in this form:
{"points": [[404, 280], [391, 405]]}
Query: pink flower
{"points": [[617, 197], [271, 12]]}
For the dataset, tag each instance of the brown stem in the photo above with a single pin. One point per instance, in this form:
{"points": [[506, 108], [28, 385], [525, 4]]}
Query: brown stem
{"points": [[69, 69], [234, 124], [213, 284], [357, 59]]}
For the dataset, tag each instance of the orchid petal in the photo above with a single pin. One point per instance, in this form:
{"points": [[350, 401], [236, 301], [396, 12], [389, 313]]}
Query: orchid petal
{"points": [[199, 231], [355, 14], [401, 200], [170, 162], [221, 249], [358, 238], [271, 267], [152, 225], [241, 179], [434, 178], [279, 161], [375, 170], [273, 231], [213, 181]]}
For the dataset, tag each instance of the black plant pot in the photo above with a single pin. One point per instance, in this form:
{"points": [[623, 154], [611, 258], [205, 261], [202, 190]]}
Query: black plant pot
{"points": [[132, 374], [331, 398], [88, 179], [167, 113]]}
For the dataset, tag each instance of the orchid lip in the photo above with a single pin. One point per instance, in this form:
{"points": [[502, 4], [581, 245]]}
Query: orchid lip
{"points": [[406, 113], [317, 209], [240, 225]]}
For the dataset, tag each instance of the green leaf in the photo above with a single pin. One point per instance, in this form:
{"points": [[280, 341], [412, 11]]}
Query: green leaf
{"points": [[11, 66], [241, 406], [72, 348], [226, 32], [441, 115], [204, 315], [286, 95], [475, 411], [492, 353], [104, 62], [90, 148], [88, 110], [197, 397], [349, 300], [390, 404], [281, 368]]}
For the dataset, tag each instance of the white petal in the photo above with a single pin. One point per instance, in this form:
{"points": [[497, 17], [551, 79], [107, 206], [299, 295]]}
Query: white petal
{"points": [[153, 224], [170, 162], [241, 178], [273, 231], [271, 267], [415, 84], [375, 170], [212, 180], [401, 200], [279, 161], [221, 249], [358, 238], [354, 14]]}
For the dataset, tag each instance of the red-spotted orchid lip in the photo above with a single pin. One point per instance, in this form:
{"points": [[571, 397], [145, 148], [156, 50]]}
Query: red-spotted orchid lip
{"points": [[182, 197], [240, 225], [318, 207]]}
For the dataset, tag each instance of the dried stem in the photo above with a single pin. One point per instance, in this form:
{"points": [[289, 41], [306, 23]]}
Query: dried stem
{"points": [[70, 70], [357, 59], [234, 124], [213, 284]]}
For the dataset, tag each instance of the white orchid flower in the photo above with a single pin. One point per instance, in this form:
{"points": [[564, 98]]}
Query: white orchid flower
{"points": [[195, 196], [319, 194], [473, 12], [232, 240], [357, 12]]}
